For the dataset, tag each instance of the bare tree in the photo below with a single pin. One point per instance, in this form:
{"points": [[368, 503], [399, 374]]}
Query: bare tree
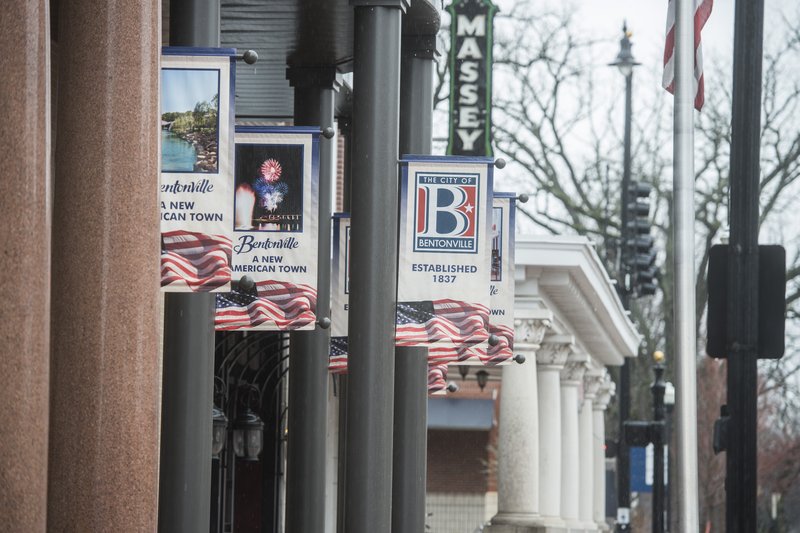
{"points": [[561, 135]]}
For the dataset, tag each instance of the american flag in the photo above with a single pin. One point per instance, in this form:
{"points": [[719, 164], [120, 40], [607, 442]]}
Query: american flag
{"points": [[338, 355], [483, 353], [270, 305], [441, 320], [437, 378], [702, 10], [195, 260]]}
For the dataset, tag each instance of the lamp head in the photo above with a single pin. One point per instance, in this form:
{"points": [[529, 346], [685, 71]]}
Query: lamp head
{"points": [[624, 60]]}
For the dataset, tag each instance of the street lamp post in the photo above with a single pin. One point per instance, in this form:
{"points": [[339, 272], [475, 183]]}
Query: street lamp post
{"points": [[658, 388], [669, 404], [625, 62]]}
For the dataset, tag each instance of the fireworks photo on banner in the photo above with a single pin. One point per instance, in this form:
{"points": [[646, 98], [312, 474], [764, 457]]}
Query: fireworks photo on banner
{"points": [[268, 188]]}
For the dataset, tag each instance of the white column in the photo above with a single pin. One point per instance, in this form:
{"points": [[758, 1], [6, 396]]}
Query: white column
{"points": [[604, 394], [588, 446], [571, 378], [550, 359], [518, 450]]}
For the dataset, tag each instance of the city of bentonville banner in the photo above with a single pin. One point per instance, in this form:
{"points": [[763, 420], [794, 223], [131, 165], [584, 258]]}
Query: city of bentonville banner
{"points": [[275, 204], [443, 257], [197, 88]]}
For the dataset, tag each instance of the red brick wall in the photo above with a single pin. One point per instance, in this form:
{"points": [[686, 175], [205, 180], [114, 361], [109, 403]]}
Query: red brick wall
{"points": [[457, 461]]}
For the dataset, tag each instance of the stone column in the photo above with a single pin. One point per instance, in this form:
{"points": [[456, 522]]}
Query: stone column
{"points": [[571, 379], [25, 261], [604, 394], [518, 450], [591, 383], [107, 306], [550, 360]]}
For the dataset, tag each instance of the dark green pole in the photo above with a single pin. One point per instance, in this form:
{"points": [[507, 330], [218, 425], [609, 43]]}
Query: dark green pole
{"points": [[373, 279], [314, 92], [411, 363], [742, 342], [188, 372]]}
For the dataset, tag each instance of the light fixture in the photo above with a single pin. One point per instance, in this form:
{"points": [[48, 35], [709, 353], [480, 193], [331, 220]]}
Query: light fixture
{"points": [[624, 60], [464, 371], [482, 376], [669, 395], [248, 434], [219, 431]]}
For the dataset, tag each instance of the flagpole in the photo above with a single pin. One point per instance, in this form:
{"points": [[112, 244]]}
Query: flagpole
{"points": [[684, 292]]}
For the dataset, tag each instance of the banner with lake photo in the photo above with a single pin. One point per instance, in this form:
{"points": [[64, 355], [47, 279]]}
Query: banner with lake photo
{"points": [[275, 225], [197, 114], [443, 259]]}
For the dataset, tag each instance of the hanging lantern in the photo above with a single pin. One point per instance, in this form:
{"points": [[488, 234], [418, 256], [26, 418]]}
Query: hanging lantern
{"points": [[248, 435], [483, 377], [219, 431]]}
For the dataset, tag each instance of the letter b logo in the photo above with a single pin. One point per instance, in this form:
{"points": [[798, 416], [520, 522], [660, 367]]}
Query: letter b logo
{"points": [[446, 213]]}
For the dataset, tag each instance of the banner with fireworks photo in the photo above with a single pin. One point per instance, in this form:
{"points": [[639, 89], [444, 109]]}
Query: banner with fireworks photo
{"points": [[443, 259], [275, 203], [197, 90]]}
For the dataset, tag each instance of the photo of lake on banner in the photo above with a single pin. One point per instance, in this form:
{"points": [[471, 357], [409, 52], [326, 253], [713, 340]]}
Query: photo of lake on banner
{"points": [[189, 120]]}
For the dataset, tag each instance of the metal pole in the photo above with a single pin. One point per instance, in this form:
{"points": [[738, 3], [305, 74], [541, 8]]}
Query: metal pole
{"points": [[370, 390], [740, 508], [411, 363], [188, 379], [314, 90], [685, 340], [659, 424], [623, 452]]}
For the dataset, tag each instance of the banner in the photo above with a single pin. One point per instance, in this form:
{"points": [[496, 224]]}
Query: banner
{"points": [[340, 292], [501, 294], [443, 258], [197, 92], [275, 230], [471, 44], [501, 282]]}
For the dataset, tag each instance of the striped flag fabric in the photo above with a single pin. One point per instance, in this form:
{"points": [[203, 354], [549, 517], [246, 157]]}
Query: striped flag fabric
{"points": [[441, 320], [337, 363], [270, 305], [702, 10], [198, 261], [483, 353], [437, 378]]}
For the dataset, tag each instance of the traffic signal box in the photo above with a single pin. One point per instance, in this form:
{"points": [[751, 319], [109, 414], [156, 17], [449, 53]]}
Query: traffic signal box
{"points": [[771, 301], [640, 255]]}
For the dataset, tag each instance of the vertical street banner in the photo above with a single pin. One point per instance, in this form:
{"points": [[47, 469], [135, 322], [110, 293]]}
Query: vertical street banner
{"points": [[500, 287], [501, 282], [340, 297], [443, 259], [275, 226], [340, 292], [471, 23], [197, 114]]}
